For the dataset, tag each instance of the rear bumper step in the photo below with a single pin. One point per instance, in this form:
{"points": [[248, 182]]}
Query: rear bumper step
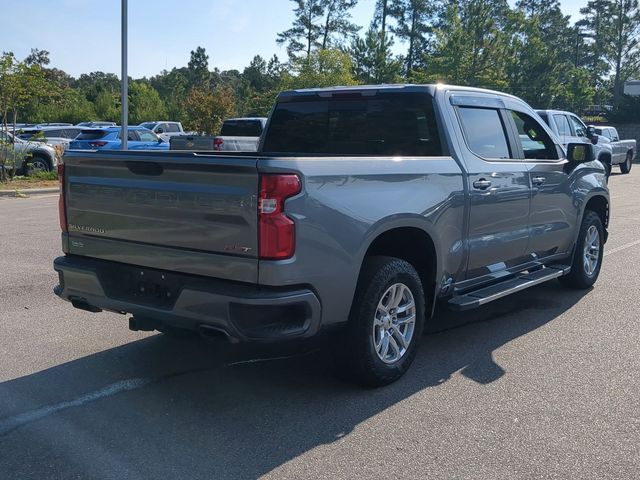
{"points": [[485, 295]]}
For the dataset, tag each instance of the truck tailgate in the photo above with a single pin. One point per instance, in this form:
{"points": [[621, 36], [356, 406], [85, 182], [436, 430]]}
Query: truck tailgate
{"points": [[188, 212]]}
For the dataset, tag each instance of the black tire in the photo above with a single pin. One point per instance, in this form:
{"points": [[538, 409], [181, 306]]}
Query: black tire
{"points": [[607, 168], [354, 349], [36, 164], [628, 163], [580, 277]]}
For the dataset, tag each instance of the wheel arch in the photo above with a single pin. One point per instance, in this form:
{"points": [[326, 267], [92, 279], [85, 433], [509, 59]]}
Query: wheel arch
{"points": [[413, 243], [600, 205]]}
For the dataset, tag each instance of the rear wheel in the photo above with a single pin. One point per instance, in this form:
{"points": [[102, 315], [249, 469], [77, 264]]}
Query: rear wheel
{"points": [[385, 324], [35, 165], [587, 258], [628, 163]]}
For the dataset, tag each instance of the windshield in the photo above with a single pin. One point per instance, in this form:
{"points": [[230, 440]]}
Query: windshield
{"points": [[148, 125]]}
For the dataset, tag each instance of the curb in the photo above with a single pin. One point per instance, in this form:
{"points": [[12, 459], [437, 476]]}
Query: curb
{"points": [[27, 192]]}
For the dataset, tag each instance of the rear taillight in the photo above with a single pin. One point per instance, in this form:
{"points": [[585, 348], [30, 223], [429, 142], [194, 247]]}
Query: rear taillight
{"points": [[217, 144], [62, 213], [99, 143], [277, 232]]}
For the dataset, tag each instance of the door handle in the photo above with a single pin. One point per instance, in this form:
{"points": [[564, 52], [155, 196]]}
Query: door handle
{"points": [[538, 180], [482, 184]]}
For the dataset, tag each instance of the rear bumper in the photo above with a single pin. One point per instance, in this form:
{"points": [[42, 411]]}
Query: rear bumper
{"points": [[243, 312]]}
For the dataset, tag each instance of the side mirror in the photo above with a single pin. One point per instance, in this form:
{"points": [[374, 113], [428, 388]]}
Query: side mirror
{"points": [[580, 152], [592, 135], [159, 131]]}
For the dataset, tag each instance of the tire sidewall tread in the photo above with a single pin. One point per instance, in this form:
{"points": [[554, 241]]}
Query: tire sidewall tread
{"points": [[362, 362], [578, 278]]}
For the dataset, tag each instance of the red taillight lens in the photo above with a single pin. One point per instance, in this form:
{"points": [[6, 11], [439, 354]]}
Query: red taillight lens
{"points": [[99, 143], [217, 144], [277, 232], [62, 212]]}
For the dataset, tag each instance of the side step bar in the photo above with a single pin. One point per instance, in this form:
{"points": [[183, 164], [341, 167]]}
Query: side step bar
{"points": [[485, 295]]}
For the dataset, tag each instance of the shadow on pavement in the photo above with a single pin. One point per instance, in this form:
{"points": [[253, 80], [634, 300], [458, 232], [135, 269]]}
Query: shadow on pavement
{"points": [[202, 415]]}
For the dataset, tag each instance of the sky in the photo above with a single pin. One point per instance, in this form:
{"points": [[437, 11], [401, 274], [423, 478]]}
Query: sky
{"points": [[84, 35]]}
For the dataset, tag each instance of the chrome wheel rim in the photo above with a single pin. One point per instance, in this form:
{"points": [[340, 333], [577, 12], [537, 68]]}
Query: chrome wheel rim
{"points": [[394, 323], [38, 166], [591, 255]]}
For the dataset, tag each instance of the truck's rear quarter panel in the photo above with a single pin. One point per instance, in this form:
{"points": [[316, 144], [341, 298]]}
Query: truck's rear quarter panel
{"points": [[347, 202]]}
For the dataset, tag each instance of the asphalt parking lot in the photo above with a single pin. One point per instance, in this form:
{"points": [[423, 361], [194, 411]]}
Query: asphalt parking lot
{"points": [[543, 384]]}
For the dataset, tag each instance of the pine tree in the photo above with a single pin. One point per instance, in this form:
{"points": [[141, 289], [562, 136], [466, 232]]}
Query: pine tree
{"points": [[337, 25], [198, 68], [413, 25], [372, 58], [306, 31], [623, 53]]}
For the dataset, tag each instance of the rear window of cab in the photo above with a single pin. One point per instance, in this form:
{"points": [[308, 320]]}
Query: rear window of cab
{"points": [[381, 125]]}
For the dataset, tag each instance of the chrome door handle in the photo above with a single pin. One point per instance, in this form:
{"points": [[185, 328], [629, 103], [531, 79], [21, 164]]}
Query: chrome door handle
{"points": [[538, 180], [482, 184]]}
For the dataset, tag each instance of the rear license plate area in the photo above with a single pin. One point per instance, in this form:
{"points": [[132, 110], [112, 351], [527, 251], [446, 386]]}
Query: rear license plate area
{"points": [[141, 285]]}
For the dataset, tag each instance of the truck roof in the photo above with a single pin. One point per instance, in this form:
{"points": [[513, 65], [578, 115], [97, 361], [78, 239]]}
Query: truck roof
{"points": [[373, 89]]}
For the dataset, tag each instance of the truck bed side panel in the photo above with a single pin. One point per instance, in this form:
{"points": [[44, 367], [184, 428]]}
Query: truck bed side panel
{"points": [[347, 202]]}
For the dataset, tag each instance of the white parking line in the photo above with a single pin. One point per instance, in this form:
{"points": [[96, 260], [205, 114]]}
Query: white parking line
{"points": [[622, 247], [11, 423]]}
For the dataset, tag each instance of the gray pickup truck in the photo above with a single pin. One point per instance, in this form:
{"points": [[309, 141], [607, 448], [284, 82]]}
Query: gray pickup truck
{"points": [[363, 207], [622, 151], [569, 128]]}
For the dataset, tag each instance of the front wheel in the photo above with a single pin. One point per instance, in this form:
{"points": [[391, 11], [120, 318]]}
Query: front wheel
{"points": [[626, 166], [385, 324], [587, 259]]}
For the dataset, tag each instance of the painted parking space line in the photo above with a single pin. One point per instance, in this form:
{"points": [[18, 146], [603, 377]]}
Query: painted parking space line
{"points": [[622, 247], [9, 424]]}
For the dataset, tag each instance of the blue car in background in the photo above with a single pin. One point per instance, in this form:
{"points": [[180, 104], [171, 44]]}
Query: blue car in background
{"points": [[109, 139]]}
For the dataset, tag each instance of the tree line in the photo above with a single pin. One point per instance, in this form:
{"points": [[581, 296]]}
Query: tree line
{"points": [[531, 50]]}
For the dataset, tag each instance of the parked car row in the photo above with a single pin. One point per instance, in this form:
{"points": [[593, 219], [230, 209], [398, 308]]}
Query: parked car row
{"points": [[107, 137], [608, 148]]}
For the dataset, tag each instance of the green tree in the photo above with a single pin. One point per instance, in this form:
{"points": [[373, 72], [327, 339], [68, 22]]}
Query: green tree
{"points": [[623, 52], [414, 26], [306, 30], [337, 24], [198, 68], [91, 84], [323, 68], [373, 60], [72, 106], [207, 108], [107, 106], [145, 104], [473, 44], [173, 88], [595, 23]]}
